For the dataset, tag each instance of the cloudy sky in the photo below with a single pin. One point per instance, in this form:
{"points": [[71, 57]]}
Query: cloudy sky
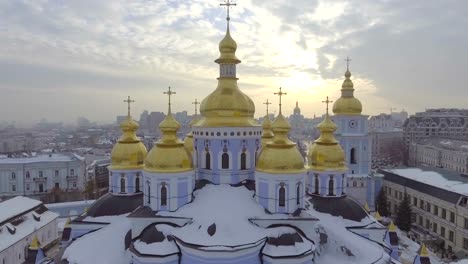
{"points": [[61, 59]]}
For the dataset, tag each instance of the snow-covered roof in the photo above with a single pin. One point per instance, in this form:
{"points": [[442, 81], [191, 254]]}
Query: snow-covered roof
{"points": [[56, 157], [436, 177], [27, 226], [16, 206]]}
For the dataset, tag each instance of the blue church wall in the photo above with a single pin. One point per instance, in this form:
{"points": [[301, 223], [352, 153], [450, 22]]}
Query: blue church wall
{"points": [[174, 259], [129, 176], [339, 183], [233, 141], [262, 193], [267, 260]]}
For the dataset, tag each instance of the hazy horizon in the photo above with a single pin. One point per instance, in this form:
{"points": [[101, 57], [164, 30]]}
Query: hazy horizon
{"points": [[61, 60]]}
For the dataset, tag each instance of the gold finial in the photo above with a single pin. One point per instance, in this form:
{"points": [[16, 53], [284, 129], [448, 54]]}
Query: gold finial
{"points": [[67, 223], [169, 93], [327, 102], [392, 227], [196, 103], [366, 207], [128, 101], [423, 252], [280, 94], [347, 63], [377, 216], [267, 104], [35, 244], [228, 4]]}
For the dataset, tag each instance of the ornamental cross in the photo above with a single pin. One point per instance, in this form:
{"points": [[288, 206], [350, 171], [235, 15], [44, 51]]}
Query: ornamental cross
{"points": [[347, 63], [280, 94], [128, 101], [267, 103], [169, 93], [196, 103], [327, 102], [228, 4]]}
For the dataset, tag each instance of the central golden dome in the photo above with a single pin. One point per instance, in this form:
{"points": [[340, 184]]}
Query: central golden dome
{"points": [[347, 104], [169, 153], [326, 154], [280, 155], [227, 106], [129, 152]]}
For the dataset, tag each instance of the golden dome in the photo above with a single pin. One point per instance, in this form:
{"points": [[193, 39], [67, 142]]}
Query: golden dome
{"points": [[326, 154], [280, 154], [347, 104], [35, 244], [227, 105], [169, 153], [129, 153], [267, 134]]}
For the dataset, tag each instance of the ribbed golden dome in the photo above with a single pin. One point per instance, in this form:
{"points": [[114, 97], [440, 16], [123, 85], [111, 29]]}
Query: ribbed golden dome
{"points": [[267, 134], [326, 153], [347, 104], [129, 153], [169, 153], [227, 106], [188, 141], [280, 155]]}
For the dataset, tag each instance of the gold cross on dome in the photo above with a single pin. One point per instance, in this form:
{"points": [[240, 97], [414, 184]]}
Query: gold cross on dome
{"points": [[128, 101], [347, 63], [196, 103], [280, 94], [228, 4], [169, 93], [267, 103], [327, 102]]}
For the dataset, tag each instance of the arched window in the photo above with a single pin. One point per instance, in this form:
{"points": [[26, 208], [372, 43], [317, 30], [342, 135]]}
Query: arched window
{"points": [[316, 184], [331, 185], [225, 161], [137, 183], [13, 175], [243, 161], [41, 187], [282, 196], [122, 184], [148, 187], [342, 184], [298, 194], [353, 156], [163, 195], [207, 161]]}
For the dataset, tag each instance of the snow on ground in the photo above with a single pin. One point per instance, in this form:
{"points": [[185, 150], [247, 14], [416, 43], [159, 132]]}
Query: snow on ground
{"points": [[432, 178], [165, 247], [105, 246], [230, 209], [463, 261], [409, 249], [16, 206]]}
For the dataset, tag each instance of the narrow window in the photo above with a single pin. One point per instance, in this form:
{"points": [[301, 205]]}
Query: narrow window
{"points": [[298, 194], [316, 184], [208, 161], [137, 184], [225, 161], [13, 175], [41, 187], [163, 195], [353, 156], [122, 184], [331, 185], [148, 187], [72, 172], [282, 196], [243, 161]]}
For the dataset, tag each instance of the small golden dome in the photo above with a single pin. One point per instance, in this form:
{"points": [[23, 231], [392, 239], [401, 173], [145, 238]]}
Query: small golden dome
{"points": [[188, 141], [227, 106], [326, 154], [129, 153], [347, 104], [280, 155], [169, 153], [267, 134], [35, 244]]}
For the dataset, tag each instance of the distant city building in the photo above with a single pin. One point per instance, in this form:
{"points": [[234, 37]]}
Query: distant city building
{"points": [[444, 123], [297, 123], [119, 119], [41, 175], [444, 153], [99, 174], [26, 226], [439, 200], [387, 122]]}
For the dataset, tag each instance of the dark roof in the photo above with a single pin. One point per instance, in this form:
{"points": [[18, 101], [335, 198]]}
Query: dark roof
{"points": [[393, 238], [339, 206], [285, 239], [434, 191], [110, 204], [249, 184]]}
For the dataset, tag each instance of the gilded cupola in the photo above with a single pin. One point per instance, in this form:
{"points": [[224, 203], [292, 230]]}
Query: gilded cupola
{"points": [[280, 155], [188, 141], [326, 154], [347, 104], [129, 152], [168, 154], [227, 105], [267, 134]]}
